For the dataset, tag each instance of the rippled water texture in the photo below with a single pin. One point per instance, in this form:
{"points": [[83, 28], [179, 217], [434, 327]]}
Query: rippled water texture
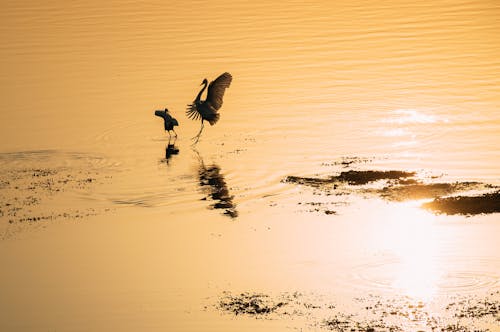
{"points": [[106, 224]]}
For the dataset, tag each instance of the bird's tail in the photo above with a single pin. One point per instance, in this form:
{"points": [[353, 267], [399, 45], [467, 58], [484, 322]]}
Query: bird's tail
{"points": [[214, 119]]}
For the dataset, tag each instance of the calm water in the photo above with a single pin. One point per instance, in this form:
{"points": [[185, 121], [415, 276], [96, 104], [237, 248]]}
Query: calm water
{"points": [[405, 85]]}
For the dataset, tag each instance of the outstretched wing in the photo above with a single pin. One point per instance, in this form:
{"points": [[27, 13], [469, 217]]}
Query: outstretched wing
{"points": [[160, 113], [192, 111], [216, 90]]}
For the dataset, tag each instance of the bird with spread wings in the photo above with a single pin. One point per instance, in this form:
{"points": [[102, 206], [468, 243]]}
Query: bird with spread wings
{"points": [[168, 120], [207, 110]]}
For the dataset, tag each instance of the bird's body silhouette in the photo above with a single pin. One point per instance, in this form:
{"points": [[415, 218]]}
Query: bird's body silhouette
{"points": [[207, 110], [168, 121]]}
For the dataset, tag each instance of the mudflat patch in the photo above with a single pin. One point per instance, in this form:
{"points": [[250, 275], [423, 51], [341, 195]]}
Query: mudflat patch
{"points": [[420, 190], [351, 177], [466, 205], [400, 185], [474, 308], [38, 186], [254, 304], [368, 314]]}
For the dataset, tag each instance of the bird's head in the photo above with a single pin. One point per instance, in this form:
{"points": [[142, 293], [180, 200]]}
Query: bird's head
{"points": [[205, 81]]}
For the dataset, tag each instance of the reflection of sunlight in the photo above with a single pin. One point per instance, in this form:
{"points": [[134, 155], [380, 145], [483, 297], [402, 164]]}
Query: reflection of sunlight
{"points": [[396, 133], [407, 125], [413, 242], [401, 116], [405, 143]]}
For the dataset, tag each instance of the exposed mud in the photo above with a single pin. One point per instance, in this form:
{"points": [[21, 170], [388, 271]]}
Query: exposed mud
{"points": [[466, 205], [374, 313], [341, 323], [351, 177], [398, 186], [477, 308], [364, 177], [419, 190], [42, 186], [321, 207], [250, 304], [348, 161]]}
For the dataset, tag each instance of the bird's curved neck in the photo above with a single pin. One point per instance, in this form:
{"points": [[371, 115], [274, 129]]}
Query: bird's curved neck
{"points": [[201, 91]]}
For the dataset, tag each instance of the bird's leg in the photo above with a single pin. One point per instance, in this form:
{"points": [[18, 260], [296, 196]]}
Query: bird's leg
{"points": [[169, 135], [174, 132], [201, 129], [197, 137]]}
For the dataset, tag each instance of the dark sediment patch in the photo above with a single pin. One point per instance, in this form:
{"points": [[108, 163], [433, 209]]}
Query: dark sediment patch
{"points": [[364, 177], [405, 310], [457, 327], [315, 182], [46, 185], [348, 161], [343, 323], [260, 305], [375, 313], [403, 186], [351, 177], [403, 191], [407, 182], [321, 207], [466, 205], [477, 308], [250, 304]]}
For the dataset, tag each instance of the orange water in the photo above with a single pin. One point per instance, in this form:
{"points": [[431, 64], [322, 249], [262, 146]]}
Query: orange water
{"points": [[408, 85]]}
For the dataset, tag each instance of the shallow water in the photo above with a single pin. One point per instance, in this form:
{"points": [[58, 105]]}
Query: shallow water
{"points": [[318, 89]]}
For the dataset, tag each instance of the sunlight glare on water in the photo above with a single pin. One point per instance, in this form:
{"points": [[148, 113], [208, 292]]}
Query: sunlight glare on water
{"points": [[415, 245], [318, 88]]}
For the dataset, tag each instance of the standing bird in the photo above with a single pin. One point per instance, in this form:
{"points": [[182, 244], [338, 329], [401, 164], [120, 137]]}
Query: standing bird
{"points": [[207, 109], [168, 121]]}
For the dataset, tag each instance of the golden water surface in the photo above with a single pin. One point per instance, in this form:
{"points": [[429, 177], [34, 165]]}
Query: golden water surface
{"points": [[404, 85]]}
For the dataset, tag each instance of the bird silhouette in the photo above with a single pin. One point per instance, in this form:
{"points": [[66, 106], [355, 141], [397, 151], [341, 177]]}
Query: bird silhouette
{"points": [[168, 121], [208, 109]]}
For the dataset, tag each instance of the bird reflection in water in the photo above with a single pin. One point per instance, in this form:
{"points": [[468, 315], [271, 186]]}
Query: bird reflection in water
{"points": [[170, 150], [212, 182]]}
